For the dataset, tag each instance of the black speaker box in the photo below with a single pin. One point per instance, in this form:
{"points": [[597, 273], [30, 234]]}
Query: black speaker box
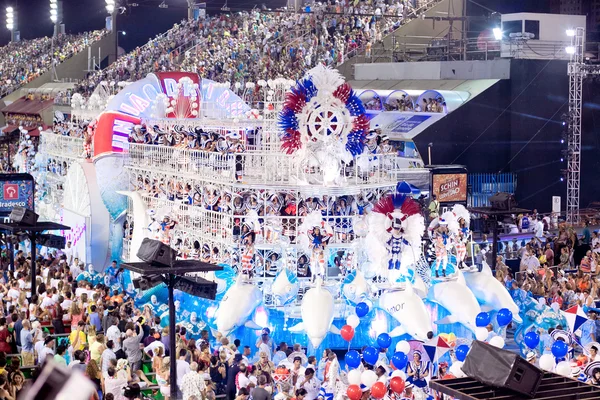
{"points": [[156, 253], [502, 368], [22, 215], [502, 201]]}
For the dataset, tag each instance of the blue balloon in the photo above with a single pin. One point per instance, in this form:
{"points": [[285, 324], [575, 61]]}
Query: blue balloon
{"points": [[461, 352], [384, 340], [362, 309], [482, 320], [399, 360], [307, 9], [370, 355], [504, 317], [352, 359], [559, 349], [531, 339]]}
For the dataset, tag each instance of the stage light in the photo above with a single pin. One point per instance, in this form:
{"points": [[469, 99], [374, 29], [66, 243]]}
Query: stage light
{"points": [[570, 50], [10, 18], [497, 33], [570, 32], [110, 6], [54, 11]]}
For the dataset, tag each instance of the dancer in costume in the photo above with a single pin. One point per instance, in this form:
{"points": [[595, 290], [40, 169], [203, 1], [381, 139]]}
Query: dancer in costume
{"points": [[441, 243], [331, 377], [395, 244], [319, 238], [417, 370]]}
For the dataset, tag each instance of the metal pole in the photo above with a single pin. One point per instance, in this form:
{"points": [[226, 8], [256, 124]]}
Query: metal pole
{"points": [[172, 341], [11, 250], [33, 263], [495, 242]]}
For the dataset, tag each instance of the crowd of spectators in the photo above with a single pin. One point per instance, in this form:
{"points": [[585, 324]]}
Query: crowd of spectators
{"points": [[21, 62], [249, 46]]}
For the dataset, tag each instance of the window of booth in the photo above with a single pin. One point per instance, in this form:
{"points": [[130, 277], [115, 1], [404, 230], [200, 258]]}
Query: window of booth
{"points": [[509, 27], [532, 26]]}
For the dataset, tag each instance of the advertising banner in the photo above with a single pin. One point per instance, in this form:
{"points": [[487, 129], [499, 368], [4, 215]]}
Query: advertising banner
{"points": [[450, 188], [16, 190]]}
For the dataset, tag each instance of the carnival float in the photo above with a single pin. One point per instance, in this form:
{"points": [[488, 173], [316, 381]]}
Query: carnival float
{"points": [[289, 187]]}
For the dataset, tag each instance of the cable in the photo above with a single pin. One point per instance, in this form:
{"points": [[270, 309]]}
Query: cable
{"points": [[499, 115], [533, 137]]}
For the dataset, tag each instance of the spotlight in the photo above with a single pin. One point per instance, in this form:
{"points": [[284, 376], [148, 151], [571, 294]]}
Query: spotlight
{"points": [[570, 50], [570, 32], [497, 33]]}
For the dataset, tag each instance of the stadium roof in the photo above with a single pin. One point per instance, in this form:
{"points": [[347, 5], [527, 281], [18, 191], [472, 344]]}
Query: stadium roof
{"points": [[29, 107]]}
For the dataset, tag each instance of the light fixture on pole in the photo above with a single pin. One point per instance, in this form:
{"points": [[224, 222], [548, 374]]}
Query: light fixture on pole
{"points": [[497, 33], [570, 50], [570, 32], [54, 11], [10, 22], [110, 6]]}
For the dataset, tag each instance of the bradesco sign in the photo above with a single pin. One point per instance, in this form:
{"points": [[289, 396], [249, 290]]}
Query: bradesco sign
{"points": [[16, 190]]}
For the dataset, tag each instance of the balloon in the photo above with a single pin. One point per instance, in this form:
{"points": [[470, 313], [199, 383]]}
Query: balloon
{"points": [[531, 339], [384, 340], [399, 360], [504, 317], [481, 334], [347, 332], [555, 306], [456, 369], [353, 320], [400, 374], [368, 378], [497, 341], [547, 362], [563, 368], [352, 359], [403, 347], [483, 319], [397, 385], [370, 355], [354, 377], [361, 309], [559, 349], [354, 392], [378, 390], [461, 352]]}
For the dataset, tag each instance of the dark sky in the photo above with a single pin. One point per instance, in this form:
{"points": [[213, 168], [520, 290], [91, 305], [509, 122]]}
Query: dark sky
{"points": [[147, 20]]}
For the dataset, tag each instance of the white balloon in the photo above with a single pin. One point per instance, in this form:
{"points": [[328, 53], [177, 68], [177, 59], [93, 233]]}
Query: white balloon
{"points": [[399, 373], [368, 378], [497, 341], [555, 306], [481, 333], [456, 369], [353, 320], [354, 377], [403, 346], [547, 362], [563, 368]]}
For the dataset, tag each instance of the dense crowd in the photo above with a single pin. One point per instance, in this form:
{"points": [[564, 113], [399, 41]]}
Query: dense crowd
{"points": [[249, 46], [23, 61]]}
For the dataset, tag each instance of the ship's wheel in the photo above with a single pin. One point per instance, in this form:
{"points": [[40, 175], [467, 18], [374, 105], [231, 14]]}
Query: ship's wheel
{"points": [[76, 192], [324, 122]]}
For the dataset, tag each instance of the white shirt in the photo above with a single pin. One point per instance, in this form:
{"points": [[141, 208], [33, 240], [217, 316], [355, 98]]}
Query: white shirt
{"points": [[152, 346], [183, 367], [66, 304], [113, 333], [312, 387], [45, 352], [265, 347]]}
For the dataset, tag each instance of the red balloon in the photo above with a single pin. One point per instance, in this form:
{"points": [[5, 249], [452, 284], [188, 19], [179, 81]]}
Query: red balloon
{"points": [[347, 333], [378, 390], [397, 384], [354, 392]]}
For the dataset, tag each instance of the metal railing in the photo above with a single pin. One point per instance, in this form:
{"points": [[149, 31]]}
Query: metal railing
{"points": [[64, 147], [259, 167]]}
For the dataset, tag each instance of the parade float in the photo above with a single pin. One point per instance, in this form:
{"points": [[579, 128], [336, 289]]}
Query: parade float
{"points": [[295, 197]]}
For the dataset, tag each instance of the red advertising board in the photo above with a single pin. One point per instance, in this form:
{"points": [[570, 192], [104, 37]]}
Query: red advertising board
{"points": [[450, 188]]}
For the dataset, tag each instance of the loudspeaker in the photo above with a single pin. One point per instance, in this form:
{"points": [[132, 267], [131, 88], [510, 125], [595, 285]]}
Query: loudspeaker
{"points": [[502, 201], [157, 253], [52, 241], [21, 215], [196, 286], [502, 368]]}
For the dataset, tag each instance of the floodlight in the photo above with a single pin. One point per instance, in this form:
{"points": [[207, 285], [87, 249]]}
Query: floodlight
{"points": [[570, 32], [570, 50], [497, 33], [9, 9]]}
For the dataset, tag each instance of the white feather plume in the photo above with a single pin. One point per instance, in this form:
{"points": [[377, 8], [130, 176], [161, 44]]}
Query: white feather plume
{"points": [[310, 221], [326, 78], [461, 212], [452, 221]]}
